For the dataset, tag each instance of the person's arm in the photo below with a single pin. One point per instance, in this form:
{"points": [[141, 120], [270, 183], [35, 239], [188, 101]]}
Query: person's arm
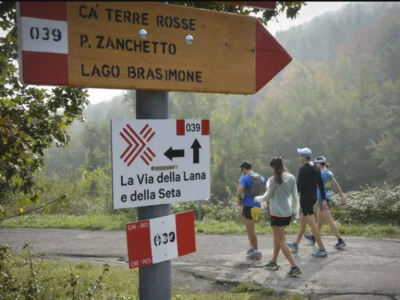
{"points": [[300, 180], [339, 190], [239, 193], [295, 199], [321, 186], [269, 193]]}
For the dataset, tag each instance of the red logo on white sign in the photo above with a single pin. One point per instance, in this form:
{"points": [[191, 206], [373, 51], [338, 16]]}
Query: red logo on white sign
{"points": [[138, 142]]}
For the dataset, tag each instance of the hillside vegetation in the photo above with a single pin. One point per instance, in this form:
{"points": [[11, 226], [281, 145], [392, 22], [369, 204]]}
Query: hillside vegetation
{"points": [[340, 96]]}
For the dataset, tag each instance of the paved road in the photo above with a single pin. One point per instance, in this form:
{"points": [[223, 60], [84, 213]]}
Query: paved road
{"points": [[367, 269]]}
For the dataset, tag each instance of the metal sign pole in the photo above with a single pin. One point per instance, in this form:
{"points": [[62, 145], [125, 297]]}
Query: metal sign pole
{"points": [[154, 280]]}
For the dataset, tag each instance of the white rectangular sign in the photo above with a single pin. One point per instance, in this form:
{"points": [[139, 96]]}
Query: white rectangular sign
{"points": [[41, 35], [167, 241], [160, 161]]}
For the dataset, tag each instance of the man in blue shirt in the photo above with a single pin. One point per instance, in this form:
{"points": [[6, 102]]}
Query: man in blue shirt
{"points": [[251, 208]]}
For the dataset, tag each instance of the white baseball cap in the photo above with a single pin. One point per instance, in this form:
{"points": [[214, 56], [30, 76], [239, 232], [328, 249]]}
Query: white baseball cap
{"points": [[320, 159], [304, 152]]}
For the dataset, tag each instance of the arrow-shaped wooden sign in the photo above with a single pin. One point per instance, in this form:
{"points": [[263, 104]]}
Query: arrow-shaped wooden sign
{"points": [[257, 4], [145, 45]]}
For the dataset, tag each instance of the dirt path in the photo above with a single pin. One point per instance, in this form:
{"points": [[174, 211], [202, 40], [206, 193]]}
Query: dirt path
{"points": [[367, 269]]}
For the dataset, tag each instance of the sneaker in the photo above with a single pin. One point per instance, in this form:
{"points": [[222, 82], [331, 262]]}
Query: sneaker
{"points": [[293, 246], [294, 271], [340, 244], [319, 253], [310, 237], [271, 266], [256, 255], [250, 251]]}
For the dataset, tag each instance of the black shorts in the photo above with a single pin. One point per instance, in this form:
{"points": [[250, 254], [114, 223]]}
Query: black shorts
{"points": [[246, 212], [280, 221], [307, 206]]}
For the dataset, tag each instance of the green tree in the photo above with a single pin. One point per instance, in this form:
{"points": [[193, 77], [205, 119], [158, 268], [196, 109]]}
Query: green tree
{"points": [[387, 149], [96, 138], [290, 8], [30, 118]]}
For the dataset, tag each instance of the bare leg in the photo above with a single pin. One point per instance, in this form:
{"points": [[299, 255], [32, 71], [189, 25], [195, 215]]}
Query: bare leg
{"points": [[327, 216], [302, 229], [279, 231], [277, 247], [314, 229], [319, 221], [251, 233]]}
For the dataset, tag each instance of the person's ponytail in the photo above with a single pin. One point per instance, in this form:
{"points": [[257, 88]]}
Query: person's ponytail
{"points": [[277, 164]]}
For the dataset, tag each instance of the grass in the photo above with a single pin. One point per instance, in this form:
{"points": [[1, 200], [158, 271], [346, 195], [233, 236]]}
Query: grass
{"points": [[364, 230], [92, 222], [62, 280], [117, 222]]}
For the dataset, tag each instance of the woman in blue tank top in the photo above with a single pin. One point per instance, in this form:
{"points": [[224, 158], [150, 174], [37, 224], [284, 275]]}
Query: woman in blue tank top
{"points": [[324, 205]]}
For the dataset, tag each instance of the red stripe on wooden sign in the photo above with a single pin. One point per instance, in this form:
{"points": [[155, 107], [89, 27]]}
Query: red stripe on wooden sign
{"points": [[52, 10], [139, 244], [205, 127], [262, 4], [45, 68], [185, 232], [271, 57], [180, 127]]}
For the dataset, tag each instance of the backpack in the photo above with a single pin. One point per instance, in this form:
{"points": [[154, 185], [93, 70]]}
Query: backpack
{"points": [[257, 185]]}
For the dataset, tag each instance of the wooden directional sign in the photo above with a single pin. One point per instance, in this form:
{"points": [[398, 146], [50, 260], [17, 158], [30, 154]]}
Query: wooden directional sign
{"points": [[145, 45], [257, 4]]}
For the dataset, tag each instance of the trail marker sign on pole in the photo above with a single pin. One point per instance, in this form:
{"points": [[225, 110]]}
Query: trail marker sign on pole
{"points": [[145, 45], [160, 239], [160, 161]]}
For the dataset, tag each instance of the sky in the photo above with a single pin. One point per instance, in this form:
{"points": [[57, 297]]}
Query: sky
{"points": [[306, 14]]}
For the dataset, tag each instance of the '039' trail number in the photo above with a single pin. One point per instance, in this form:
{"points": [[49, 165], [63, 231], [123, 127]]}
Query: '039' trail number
{"points": [[193, 127], [45, 33], [164, 238]]}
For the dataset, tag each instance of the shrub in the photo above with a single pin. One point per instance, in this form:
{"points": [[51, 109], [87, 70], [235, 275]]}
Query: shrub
{"points": [[370, 205]]}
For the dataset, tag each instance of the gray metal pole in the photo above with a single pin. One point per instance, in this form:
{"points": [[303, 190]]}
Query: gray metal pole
{"points": [[154, 280]]}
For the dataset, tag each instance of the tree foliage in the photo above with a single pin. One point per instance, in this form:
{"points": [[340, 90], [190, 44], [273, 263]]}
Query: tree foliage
{"points": [[290, 8], [345, 108], [30, 118], [340, 97]]}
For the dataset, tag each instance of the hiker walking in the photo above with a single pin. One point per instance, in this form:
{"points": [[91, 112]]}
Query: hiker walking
{"points": [[307, 181], [324, 206], [283, 203], [250, 185]]}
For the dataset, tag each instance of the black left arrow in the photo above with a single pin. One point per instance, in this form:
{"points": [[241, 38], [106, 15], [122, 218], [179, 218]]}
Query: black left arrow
{"points": [[196, 146], [170, 153]]}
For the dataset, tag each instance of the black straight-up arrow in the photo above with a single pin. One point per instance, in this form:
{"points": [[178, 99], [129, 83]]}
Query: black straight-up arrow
{"points": [[196, 146], [174, 153]]}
